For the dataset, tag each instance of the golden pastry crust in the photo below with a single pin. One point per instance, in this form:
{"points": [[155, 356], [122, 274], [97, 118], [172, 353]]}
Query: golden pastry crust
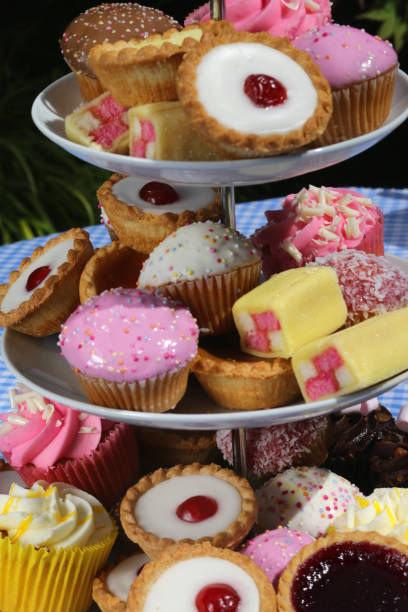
{"points": [[154, 545], [165, 448], [232, 143], [289, 575], [140, 71], [107, 601], [239, 381], [113, 265], [181, 552], [51, 304], [143, 231]]}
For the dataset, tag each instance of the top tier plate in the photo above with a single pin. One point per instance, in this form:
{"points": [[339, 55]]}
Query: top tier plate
{"points": [[62, 97]]}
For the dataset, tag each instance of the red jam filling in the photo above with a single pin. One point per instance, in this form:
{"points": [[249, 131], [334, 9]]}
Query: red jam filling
{"points": [[196, 509], [259, 340], [158, 193], [36, 277], [352, 576], [325, 381], [217, 597], [264, 90]]}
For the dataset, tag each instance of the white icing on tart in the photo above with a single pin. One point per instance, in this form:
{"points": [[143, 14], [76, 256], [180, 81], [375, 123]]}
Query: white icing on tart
{"points": [[121, 577], [177, 588], [155, 510], [52, 257], [190, 197], [220, 81]]}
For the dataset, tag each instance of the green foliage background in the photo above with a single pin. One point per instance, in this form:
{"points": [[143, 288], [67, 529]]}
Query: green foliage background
{"points": [[43, 189]]}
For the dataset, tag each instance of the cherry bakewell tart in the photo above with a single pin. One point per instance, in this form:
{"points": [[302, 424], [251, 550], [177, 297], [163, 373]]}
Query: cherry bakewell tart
{"points": [[113, 265], [111, 586], [204, 578], [253, 94], [142, 71], [192, 503], [348, 571], [43, 292], [142, 213], [240, 381]]}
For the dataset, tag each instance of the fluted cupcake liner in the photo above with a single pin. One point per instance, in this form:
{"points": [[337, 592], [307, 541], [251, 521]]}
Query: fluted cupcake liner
{"points": [[106, 473], [359, 108], [40, 580], [158, 394], [211, 298]]}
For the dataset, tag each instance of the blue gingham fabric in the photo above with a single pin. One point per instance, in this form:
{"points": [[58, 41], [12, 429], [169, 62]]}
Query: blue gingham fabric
{"points": [[250, 215]]}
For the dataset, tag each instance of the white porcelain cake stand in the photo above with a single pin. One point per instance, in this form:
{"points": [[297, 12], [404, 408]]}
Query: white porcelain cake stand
{"points": [[37, 361]]}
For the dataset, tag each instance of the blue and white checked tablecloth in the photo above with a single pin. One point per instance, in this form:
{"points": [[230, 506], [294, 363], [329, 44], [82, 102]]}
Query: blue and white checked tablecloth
{"points": [[393, 202]]}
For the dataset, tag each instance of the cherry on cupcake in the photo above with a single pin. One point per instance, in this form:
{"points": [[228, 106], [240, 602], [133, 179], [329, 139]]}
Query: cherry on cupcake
{"points": [[158, 193]]}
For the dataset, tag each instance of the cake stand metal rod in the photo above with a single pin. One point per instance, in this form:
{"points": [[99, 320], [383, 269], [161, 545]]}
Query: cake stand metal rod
{"points": [[227, 195], [239, 454], [217, 9]]}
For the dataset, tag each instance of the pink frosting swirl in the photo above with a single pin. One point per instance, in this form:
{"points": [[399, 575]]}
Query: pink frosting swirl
{"points": [[278, 17], [126, 335], [316, 222], [40, 431]]}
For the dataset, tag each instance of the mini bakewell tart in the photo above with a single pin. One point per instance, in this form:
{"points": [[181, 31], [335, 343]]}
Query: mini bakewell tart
{"points": [[142, 213], [111, 586], [113, 265], [43, 292], [349, 571], [204, 578], [143, 71], [240, 381], [252, 94], [192, 503]]}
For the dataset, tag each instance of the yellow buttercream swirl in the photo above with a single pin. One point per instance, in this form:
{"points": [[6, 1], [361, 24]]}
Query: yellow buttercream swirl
{"points": [[54, 516]]}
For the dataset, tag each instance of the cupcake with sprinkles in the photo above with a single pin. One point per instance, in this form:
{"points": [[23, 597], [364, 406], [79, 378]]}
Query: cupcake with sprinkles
{"points": [[107, 22], [207, 266], [131, 349]]}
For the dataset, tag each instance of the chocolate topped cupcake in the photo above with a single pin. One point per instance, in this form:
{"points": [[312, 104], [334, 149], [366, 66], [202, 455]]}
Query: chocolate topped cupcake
{"points": [[107, 22], [369, 448]]}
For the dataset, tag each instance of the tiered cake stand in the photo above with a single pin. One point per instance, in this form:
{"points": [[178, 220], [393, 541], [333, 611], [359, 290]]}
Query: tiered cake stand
{"points": [[37, 361]]}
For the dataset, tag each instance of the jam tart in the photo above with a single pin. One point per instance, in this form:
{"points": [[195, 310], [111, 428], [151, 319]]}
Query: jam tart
{"points": [[348, 571], [253, 94], [142, 213], [44, 291], [142, 71], [204, 578], [113, 265], [191, 503]]}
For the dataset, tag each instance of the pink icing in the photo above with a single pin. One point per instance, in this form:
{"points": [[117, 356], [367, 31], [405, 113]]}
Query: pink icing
{"points": [[42, 432], [305, 229], [271, 449], [347, 55], [125, 335], [273, 550], [278, 17]]}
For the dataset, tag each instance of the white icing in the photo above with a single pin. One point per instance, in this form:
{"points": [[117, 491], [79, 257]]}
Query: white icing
{"points": [[190, 197], [177, 588], [121, 577], [104, 217], [52, 257], [220, 80], [196, 250], [155, 511]]}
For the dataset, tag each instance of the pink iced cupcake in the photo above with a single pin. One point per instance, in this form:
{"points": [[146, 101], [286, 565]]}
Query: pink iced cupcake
{"points": [[272, 550], [361, 70], [131, 349], [45, 440], [316, 222], [278, 17]]}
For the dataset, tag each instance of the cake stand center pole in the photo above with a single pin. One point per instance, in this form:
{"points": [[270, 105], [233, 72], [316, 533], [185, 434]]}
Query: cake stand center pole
{"points": [[227, 195], [239, 455], [217, 9]]}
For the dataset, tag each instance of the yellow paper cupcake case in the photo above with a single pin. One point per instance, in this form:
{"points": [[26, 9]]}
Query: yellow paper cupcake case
{"points": [[41, 580]]}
